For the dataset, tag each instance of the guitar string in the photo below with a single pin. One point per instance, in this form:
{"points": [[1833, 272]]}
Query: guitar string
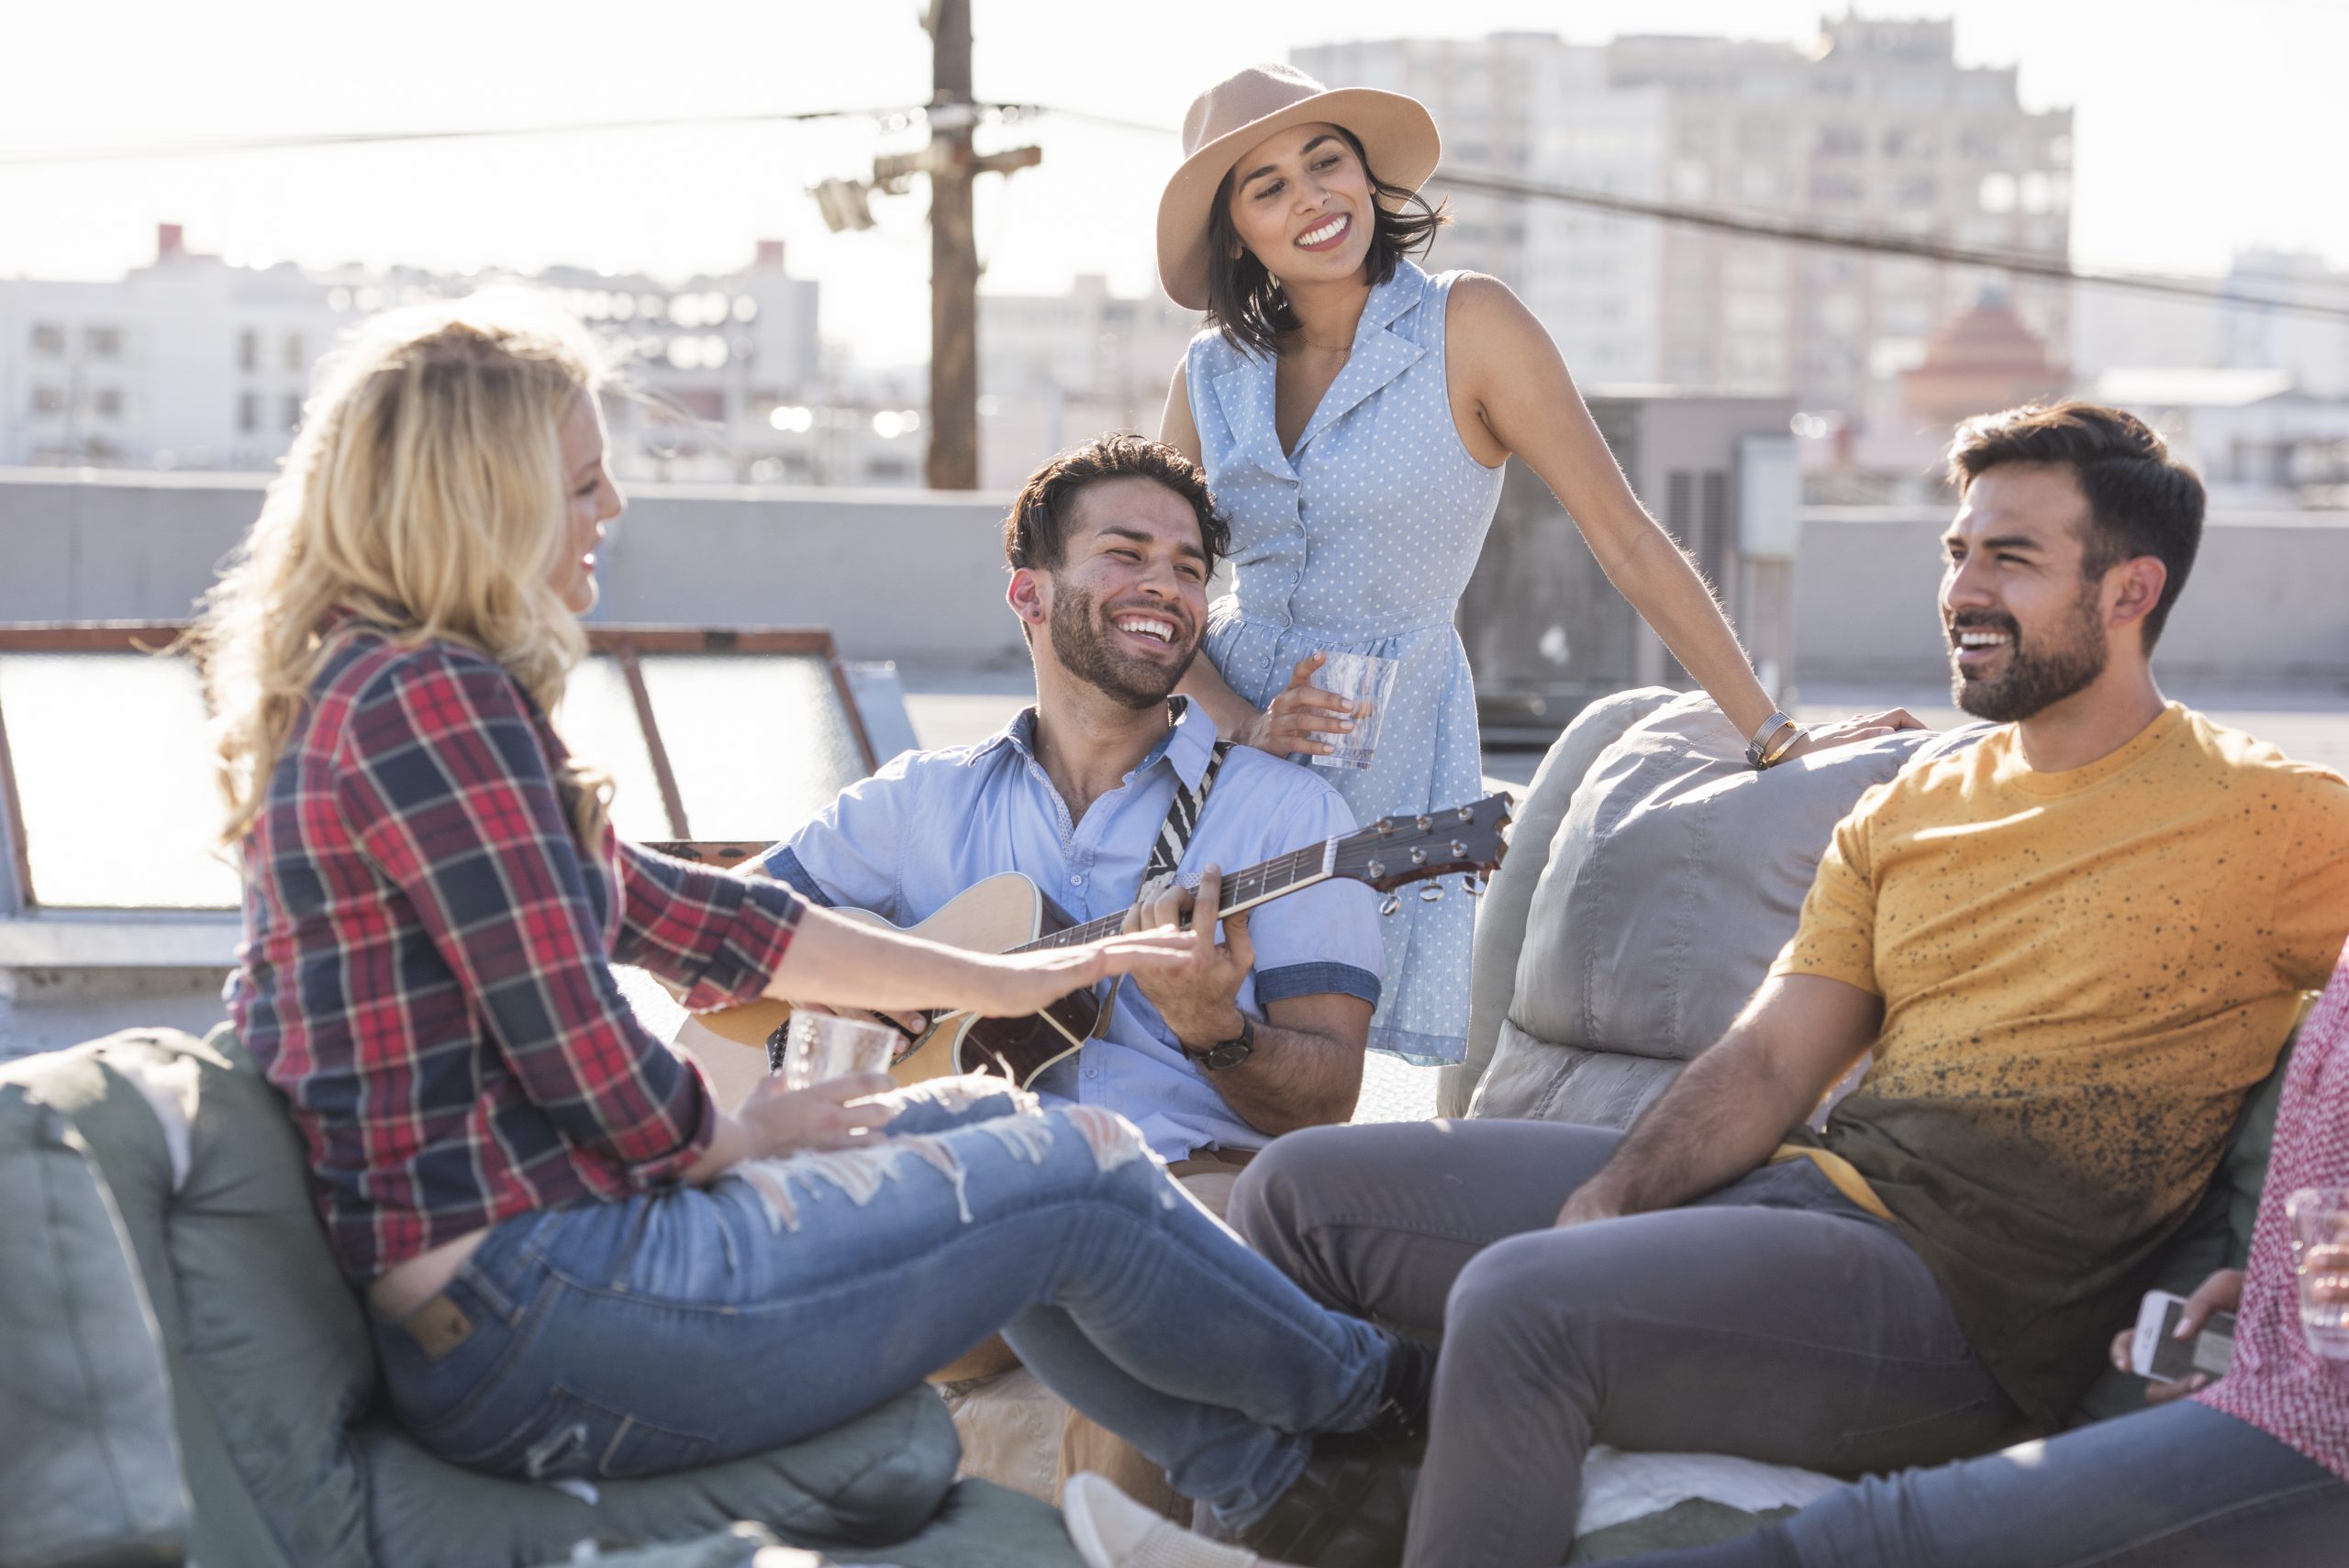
{"points": [[1289, 868]]}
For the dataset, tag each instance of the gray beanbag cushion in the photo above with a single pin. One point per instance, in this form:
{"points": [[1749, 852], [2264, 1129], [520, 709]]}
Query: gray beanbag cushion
{"points": [[250, 1350], [1675, 876], [88, 1469], [1501, 917]]}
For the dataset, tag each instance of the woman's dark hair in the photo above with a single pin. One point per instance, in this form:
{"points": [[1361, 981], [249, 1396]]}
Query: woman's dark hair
{"points": [[1033, 530], [1245, 300], [2140, 500]]}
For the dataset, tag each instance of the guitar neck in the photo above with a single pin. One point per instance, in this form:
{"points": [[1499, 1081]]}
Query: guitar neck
{"points": [[1241, 890]]}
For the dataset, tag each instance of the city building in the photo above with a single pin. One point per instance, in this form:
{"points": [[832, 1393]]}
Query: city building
{"points": [[1876, 129], [1054, 368], [186, 362], [2125, 330], [191, 363]]}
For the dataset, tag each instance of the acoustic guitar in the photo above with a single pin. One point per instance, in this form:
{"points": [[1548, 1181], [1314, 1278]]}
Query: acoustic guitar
{"points": [[1008, 913]]}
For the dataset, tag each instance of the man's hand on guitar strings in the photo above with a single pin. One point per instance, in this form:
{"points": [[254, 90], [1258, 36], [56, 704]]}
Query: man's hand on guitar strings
{"points": [[1198, 999]]}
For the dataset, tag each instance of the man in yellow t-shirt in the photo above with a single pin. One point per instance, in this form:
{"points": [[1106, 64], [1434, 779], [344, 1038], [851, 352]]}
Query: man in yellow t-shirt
{"points": [[2073, 948]]}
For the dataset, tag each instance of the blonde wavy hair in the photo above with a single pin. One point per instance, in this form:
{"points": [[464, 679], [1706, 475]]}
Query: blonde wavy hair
{"points": [[425, 494]]}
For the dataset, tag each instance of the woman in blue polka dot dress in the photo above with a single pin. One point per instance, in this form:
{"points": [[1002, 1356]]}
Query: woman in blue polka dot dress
{"points": [[1354, 414]]}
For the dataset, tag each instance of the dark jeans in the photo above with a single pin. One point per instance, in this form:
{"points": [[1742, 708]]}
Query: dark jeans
{"points": [[2181, 1487], [679, 1328], [1774, 1319]]}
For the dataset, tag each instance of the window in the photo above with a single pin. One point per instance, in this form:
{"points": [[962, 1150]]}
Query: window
{"points": [[48, 400], [294, 411], [108, 402], [249, 351], [48, 338], [1841, 140], [248, 412], [294, 359], [101, 342]]}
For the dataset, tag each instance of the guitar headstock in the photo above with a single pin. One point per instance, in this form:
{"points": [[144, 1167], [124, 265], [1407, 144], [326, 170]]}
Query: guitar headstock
{"points": [[1395, 850]]}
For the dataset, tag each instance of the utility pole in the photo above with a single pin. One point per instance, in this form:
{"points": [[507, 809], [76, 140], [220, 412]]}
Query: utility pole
{"points": [[953, 256], [953, 168]]}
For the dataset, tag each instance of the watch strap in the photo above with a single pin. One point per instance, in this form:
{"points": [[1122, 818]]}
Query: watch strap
{"points": [[1229, 1052]]}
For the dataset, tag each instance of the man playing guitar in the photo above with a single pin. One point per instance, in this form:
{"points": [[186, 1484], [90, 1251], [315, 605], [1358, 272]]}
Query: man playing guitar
{"points": [[1110, 547]]}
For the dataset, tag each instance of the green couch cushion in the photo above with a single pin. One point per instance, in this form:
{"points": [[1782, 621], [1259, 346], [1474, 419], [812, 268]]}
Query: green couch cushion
{"points": [[267, 1354], [272, 1374], [88, 1469], [871, 1482]]}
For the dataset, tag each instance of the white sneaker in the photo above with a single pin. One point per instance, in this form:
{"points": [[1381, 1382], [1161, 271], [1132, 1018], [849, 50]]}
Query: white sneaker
{"points": [[1111, 1530]]}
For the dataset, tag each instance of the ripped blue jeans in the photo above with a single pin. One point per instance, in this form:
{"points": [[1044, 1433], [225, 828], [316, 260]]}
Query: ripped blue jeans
{"points": [[684, 1326]]}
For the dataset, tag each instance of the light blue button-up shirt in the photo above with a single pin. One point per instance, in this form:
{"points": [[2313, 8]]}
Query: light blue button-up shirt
{"points": [[931, 824]]}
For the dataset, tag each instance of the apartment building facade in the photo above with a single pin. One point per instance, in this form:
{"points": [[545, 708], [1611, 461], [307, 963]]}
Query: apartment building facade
{"points": [[190, 362], [1875, 129]]}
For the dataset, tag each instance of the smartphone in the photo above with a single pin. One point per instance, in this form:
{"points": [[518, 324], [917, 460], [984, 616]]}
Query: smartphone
{"points": [[2158, 1353]]}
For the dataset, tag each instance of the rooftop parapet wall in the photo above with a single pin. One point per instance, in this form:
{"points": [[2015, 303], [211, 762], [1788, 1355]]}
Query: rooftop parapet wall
{"points": [[919, 578], [2267, 602], [906, 575]]}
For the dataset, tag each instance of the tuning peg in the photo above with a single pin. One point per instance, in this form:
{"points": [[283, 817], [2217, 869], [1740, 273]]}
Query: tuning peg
{"points": [[1432, 893], [1471, 887], [1391, 905]]}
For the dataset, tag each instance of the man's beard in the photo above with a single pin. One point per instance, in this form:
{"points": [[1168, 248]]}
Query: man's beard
{"points": [[1082, 640], [2034, 679]]}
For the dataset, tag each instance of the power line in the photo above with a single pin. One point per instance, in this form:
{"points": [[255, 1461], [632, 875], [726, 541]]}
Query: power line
{"points": [[1792, 231], [2027, 263], [27, 158]]}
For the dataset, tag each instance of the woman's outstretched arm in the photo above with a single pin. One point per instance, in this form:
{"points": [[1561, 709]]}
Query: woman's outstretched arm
{"points": [[1516, 382]]}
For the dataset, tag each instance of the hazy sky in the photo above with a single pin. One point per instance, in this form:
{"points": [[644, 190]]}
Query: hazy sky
{"points": [[2201, 127]]}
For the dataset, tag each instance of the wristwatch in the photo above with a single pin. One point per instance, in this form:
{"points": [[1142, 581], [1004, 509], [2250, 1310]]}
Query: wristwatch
{"points": [[1231, 1052]]}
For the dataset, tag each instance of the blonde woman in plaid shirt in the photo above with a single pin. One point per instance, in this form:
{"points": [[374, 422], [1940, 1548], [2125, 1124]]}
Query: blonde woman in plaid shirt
{"points": [[577, 1264]]}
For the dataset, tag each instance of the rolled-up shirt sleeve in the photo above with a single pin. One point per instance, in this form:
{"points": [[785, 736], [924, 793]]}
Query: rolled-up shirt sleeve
{"points": [[1326, 939], [719, 936], [443, 780]]}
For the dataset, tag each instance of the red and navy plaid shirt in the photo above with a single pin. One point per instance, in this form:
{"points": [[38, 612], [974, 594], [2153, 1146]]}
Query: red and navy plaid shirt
{"points": [[426, 972]]}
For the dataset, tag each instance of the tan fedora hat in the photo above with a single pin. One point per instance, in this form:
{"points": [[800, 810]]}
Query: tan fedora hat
{"points": [[1397, 133]]}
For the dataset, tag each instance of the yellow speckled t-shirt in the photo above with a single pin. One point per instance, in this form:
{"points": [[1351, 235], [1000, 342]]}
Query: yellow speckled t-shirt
{"points": [[2083, 975]]}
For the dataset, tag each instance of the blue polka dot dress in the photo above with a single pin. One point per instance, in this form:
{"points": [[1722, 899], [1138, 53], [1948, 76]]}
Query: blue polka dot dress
{"points": [[1362, 540]]}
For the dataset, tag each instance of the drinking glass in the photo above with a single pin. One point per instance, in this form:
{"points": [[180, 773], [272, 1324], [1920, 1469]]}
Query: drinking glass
{"points": [[2319, 1217], [1369, 681], [820, 1047]]}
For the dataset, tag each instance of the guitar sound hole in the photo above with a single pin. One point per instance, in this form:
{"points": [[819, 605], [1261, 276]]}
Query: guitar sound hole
{"points": [[1019, 1048]]}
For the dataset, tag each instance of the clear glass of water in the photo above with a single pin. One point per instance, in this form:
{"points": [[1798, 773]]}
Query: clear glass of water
{"points": [[2319, 1219], [820, 1047], [1368, 680]]}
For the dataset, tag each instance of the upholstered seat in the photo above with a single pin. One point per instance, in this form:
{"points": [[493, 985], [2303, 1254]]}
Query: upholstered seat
{"points": [[187, 1373]]}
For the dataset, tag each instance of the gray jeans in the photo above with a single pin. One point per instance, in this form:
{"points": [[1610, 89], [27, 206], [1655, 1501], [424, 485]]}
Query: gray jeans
{"points": [[1774, 1319]]}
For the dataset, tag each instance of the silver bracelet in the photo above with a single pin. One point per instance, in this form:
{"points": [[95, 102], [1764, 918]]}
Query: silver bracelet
{"points": [[1772, 740]]}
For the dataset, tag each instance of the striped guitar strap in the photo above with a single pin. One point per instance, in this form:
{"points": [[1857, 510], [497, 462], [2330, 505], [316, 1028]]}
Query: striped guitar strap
{"points": [[1183, 819]]}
